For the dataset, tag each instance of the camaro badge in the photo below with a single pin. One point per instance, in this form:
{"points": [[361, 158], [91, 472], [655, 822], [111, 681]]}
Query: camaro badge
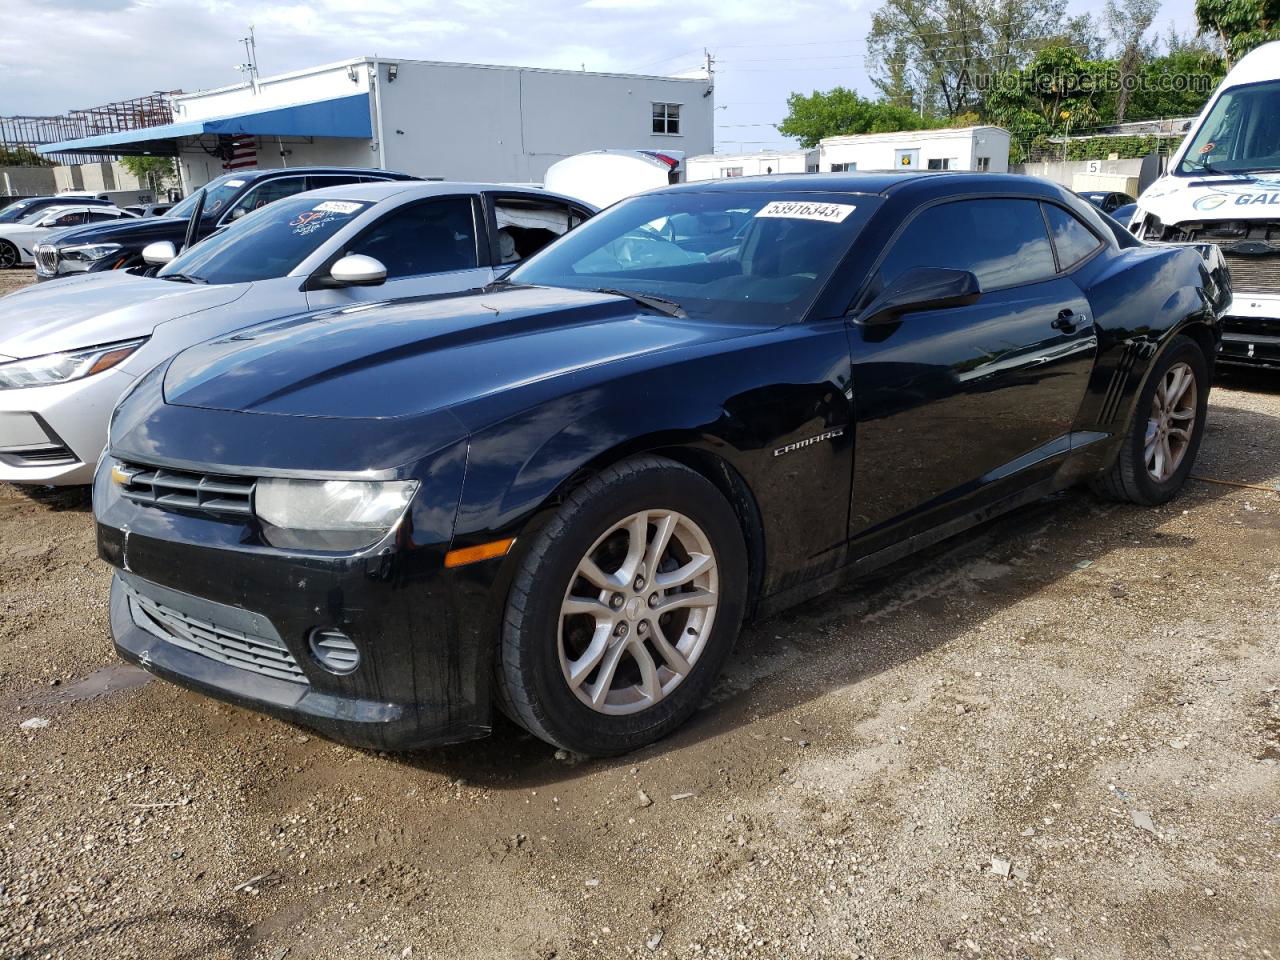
{"points": [[800, 444]]}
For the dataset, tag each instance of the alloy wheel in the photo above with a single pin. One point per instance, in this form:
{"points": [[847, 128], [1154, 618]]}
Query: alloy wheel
{"points": [[8, 255], [638, 612], [1171, 422]]}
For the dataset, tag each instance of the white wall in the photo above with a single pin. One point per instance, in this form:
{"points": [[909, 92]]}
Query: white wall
{"points": [[26, 181], [465, 122], [303, 86], [880, 152], [713, 167]]}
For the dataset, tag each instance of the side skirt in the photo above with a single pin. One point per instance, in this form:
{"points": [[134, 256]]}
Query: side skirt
{"points": [[768, 606]]}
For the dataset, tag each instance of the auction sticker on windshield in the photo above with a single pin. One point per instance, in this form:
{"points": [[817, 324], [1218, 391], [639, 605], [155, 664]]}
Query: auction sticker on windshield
{"points": [[806, 210], [338, 206]]}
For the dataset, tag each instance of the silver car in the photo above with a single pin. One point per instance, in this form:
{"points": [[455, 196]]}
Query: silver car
{"points": [[69, 350]]}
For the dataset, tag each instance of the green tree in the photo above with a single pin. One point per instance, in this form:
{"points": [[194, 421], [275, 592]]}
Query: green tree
{"points": [[1239, 25], [940, 50], [841, 111], [1128, 22], [1177, 84], [156, 172], [1057, 92]]}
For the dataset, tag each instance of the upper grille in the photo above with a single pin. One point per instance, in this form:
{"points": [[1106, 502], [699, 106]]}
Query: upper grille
{"points": [[267, 656], [1254, 274], [47, 258], [215, 494]]}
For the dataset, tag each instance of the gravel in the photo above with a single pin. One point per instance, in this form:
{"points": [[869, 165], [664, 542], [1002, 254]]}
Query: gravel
{"points": [[1106, 732]]}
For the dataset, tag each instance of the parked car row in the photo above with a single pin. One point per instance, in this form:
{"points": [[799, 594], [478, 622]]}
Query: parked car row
{"points": [[19, 238], [381, 458]]}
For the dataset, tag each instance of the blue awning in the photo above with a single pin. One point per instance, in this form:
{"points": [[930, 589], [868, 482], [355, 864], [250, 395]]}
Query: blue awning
{"points": [[340, 117]]}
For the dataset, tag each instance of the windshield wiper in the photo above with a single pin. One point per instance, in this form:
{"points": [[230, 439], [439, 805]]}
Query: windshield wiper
{"points": [[184, 278], [669, 307], [1217, 171]]}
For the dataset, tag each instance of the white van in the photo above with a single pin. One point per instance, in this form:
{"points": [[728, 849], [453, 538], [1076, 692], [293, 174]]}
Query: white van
{"points": [[1223, 188]]}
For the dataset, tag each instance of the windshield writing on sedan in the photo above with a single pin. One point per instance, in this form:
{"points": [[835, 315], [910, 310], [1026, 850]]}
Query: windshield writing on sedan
{"points": [[267, 243], [722, 255]]}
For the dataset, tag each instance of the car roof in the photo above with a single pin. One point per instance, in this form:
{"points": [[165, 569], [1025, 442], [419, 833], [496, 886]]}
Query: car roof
{"points": [[260, 173], [881, 182], [429, 188]]}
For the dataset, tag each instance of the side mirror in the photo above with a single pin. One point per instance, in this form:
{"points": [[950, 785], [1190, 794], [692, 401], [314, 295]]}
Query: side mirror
{"points": [[159, 253], [357, 270], [924, 288]]}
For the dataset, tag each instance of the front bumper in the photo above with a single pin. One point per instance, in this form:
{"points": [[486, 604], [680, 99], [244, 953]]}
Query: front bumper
{"points": [[1251, 331], [204, 602], [362, 721], [55, 434]]}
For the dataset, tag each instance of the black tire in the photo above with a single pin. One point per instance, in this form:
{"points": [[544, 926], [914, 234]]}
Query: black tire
{"points": [[9, 256], [1128, 479], [531, 686]]}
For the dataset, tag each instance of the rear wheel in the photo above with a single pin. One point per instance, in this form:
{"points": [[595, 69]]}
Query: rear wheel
{"points": [[624, 609], [9, 256], [1164, 435]]}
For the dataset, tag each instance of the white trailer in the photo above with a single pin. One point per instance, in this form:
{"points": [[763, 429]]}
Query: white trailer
{"points": [[720, 166], [960, 148]]}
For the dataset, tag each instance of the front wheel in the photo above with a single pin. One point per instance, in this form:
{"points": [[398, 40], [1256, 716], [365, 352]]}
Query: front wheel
{"points": [[624, 609], [9, 256], [1164, 436]]}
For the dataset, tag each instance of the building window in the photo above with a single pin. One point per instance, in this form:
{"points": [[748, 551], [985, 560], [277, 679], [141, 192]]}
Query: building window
{"points": [[940, 163], [666, 119], [843, 167], [730, 171], [983, 163]]}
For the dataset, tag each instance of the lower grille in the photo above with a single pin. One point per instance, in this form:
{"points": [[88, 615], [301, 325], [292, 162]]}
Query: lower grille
{"points": [[50, 456], [261, 655], [218, 495], [1254, 274]]}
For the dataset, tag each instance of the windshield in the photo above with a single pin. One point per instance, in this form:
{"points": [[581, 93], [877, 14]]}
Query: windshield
{"points": [[14, 211], [720, 255], [218, 193], [1240, 135], [267, 243]]}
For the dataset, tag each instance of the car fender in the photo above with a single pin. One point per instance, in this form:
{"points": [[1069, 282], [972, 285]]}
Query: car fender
{"points": [[743, 404]]}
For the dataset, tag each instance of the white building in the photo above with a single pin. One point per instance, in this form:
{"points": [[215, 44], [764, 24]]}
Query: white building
{"points": [[447, 120], [716, 166], [963, 148]]}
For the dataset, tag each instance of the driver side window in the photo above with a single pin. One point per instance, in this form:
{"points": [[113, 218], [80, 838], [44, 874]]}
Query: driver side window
{"points": [[1003, 242]]}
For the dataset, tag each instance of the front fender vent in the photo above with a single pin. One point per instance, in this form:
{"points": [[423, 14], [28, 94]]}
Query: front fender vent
{"points": [[1120, 377]]}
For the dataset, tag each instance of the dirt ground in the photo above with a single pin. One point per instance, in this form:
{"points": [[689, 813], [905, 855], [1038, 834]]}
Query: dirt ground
{"points": [[1058, 737]]}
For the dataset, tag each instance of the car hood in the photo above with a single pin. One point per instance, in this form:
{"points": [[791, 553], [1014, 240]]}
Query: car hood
{"points": [[132, 230], [1179, 199], [416, 356], [99, 308]]}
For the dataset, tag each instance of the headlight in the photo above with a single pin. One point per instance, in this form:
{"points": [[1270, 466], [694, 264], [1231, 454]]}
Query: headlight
{"points": [[62, 367], [330, 514], [90, 252]]}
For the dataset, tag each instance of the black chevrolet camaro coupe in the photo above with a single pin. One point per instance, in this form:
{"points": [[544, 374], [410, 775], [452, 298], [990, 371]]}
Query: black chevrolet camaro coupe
{"points": [[562, 494]]}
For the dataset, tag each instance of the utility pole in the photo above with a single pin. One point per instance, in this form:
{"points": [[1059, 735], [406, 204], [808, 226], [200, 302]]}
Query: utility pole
{"points": [[251, 55]]}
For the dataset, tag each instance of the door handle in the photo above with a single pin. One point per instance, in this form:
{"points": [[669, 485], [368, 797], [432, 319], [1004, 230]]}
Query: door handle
{"points": [[1067, 321]]}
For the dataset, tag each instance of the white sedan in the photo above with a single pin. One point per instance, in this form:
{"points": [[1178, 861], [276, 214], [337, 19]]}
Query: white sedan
{"points": [[18, 240], [69, 350]]}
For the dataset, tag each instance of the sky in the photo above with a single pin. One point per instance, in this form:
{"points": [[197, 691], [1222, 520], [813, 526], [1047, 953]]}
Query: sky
{"points": [[56, 55]]}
